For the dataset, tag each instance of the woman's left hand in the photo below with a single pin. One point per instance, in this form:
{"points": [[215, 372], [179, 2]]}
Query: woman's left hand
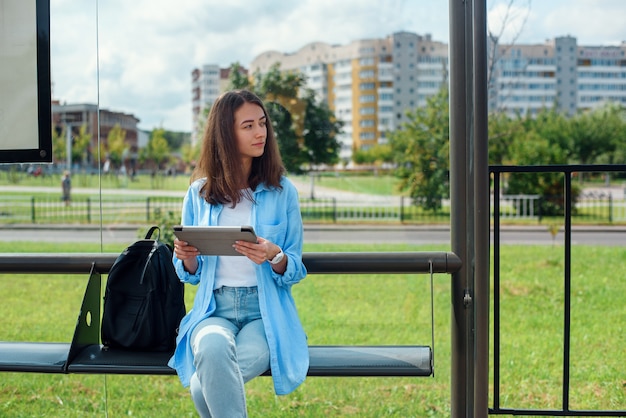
{"points": [[259, 252]]}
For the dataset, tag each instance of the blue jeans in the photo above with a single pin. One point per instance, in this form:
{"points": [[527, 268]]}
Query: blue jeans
{"points": [[229, 348]]}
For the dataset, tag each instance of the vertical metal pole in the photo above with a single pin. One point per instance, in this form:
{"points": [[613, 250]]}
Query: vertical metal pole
{"points": [[68, 146], [470, 214], [481, 204], [32, 209], [567, 289], [458, 201], [496, 290]]}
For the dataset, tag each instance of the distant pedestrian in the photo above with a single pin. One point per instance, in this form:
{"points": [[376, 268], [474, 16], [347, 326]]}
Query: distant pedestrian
{"points": [[66, 186]]}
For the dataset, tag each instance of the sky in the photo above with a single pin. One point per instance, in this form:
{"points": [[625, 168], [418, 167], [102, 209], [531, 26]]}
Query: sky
{"points": [[137, 56]]}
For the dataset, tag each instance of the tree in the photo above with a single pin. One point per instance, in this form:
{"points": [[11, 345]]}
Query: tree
{"points": [[612, 122], [116, 145], [157, 150], [321, 128], [502, 133], [596, 134], [59, 143], [534, 148], [189, 154], [544, 139], [276, 84], [80, 144], [238, 79], [287, 139], [175, 140], [421, 149], [377, 155]]}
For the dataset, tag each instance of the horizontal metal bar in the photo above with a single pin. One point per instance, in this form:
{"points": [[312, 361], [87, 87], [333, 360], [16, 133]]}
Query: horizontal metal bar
{"points": [[381, 262], [315, 262], [55, 263], [556, 412], [563, 168]]}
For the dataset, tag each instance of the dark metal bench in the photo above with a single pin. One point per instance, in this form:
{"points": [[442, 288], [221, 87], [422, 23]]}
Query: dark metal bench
{"points": [[85, 354]]}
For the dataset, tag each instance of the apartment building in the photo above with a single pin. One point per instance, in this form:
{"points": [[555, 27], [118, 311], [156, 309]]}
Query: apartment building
{"points": [[528, 78]]}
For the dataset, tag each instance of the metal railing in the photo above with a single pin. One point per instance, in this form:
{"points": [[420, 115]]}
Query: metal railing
{"points": [[567, 199], [591, 207], [85, 210]]}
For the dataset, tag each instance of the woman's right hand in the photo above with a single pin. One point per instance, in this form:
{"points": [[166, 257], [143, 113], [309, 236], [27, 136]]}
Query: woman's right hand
{"points": [[187, 254], [184, 251]]}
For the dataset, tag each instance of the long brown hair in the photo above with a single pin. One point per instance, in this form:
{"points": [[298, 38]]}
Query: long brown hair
{"points": [[219, 158]]}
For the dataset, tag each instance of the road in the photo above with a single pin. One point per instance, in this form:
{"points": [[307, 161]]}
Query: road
{"points": [[396, 234]]}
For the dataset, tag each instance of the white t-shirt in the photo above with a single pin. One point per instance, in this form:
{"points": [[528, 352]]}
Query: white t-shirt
{"points": [[235, 271]]}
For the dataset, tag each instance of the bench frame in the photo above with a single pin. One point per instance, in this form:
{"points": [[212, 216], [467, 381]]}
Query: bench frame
{"points": [[86, 355]]}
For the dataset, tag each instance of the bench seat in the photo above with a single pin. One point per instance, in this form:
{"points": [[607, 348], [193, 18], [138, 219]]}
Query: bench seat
{"points": [[33, 357], [324, 360]]}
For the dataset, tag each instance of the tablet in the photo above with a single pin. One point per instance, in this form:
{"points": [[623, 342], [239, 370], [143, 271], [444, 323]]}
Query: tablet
{"points": [[215, 240]]}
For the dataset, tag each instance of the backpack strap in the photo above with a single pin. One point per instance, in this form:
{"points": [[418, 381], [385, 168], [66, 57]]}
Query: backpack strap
{"points": [[155, 245], [151, 231]]}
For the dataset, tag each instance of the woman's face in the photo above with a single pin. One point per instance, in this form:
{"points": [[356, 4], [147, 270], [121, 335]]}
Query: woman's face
{"points": [[250, 131]]}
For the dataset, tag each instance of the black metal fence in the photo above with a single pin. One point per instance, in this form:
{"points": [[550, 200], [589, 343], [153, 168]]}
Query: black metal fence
{"points": [[46, 210], [569, 210], [602, 206]]}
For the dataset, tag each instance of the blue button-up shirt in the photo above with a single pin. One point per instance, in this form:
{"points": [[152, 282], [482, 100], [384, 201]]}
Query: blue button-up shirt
{"points": [[275, 217]]}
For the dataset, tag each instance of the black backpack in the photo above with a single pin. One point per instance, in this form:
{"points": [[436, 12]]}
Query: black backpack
{"points": [[144, 298]]}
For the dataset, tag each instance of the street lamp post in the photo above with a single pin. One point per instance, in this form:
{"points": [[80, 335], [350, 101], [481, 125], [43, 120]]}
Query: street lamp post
{"points": [[68, 145], [69, 121]]}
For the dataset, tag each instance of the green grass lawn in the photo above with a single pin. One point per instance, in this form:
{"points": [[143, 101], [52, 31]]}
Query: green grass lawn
{"points": [[383, 184], [379, 185], [83, 180], [357, 309]]}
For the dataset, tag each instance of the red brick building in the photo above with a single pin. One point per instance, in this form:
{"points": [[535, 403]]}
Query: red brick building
{"points": [[76, 115]]}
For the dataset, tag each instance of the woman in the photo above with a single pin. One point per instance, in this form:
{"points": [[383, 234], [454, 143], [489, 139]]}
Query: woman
{"points": [[244, 320]]}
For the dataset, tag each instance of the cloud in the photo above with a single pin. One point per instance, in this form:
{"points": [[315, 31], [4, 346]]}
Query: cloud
{"points": [[592, 22]]}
